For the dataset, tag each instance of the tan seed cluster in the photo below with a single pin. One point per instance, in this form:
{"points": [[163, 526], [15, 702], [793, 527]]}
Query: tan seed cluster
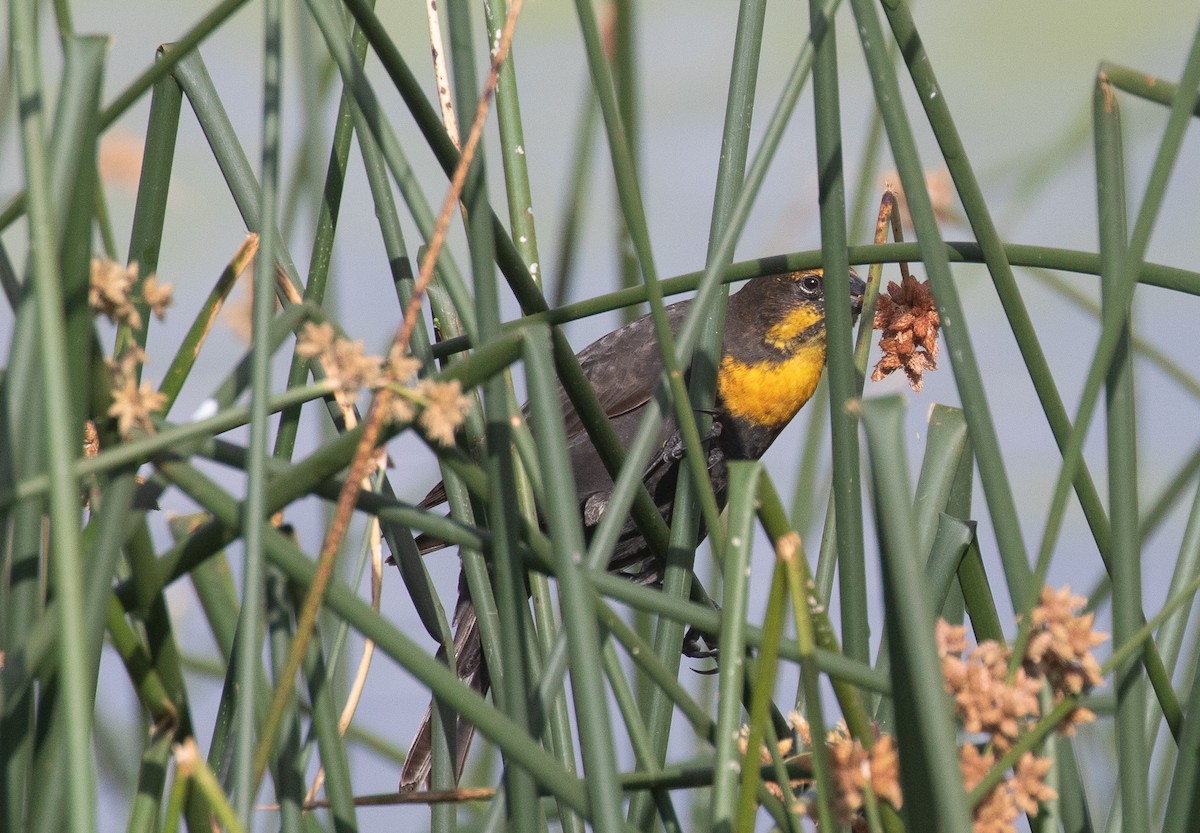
{"points": [[91, 439], [1061, 642], [438, 407], [346, 364], [1022, 791], [991, 701], [856, 770], [908, 317], [111, 292], [983, 697], [133, 405]]}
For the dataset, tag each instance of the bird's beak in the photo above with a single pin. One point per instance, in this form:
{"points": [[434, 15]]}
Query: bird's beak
{"points": [[857, 290]]}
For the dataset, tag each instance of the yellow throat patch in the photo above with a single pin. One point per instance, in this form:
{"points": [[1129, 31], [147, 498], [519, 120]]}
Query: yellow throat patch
{"points": [[782, 336], [769, 393]]}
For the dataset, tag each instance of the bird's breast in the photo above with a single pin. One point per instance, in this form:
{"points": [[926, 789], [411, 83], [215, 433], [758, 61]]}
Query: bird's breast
{"points": [[769, 393]]}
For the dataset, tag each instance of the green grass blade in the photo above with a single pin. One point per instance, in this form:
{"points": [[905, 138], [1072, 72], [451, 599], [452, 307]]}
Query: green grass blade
{"points": [[843, 385], [62, 440], [137, 88], [185, 45], [639, 737], [945, 444], [189, 348], [642, 653], [929, 771], [951, 542], [151, 691], [289, 769], [147, 806], [707, 620], [1170, 634], [625, 79], [180, 438], [764, 676], [575, 597], [249, 637], [74, 185], [633, 212], [1126, 570], [1143, 346], [731, 661], [810, 680], [527, 476], [1183, 801], [1143, 85], [512, 148], [774, 521], [321, 693], [150, 211]]}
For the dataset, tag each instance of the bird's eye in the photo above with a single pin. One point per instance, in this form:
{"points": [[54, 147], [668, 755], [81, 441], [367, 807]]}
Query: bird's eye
{"points": [[811, 283]]}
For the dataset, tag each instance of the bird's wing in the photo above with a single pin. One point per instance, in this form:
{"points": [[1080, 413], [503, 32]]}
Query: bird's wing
{"points": [[623, 368], [436, 497]]}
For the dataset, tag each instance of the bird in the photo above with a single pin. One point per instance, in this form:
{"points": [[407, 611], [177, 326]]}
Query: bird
{"points": [[773, 354]]}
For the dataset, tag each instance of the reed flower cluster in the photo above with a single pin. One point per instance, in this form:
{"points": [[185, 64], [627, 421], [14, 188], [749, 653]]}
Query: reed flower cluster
{"points": [[996, 698]]}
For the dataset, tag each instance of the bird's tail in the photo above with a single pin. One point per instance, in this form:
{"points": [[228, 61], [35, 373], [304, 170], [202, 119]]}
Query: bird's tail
{"points": [[472, 670]]}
